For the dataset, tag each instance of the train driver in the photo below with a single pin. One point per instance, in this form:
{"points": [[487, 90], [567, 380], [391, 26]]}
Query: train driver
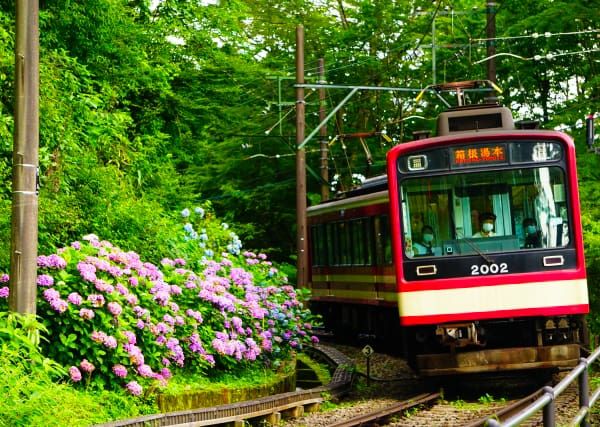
{"points": [[487, 220]]}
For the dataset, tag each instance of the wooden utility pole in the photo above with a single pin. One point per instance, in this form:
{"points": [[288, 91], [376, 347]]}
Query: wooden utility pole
{"points": [[324, 143], [301, 242], [24, 234]]}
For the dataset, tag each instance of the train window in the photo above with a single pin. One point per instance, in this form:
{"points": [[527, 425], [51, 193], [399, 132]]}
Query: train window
{"points": [[383, 242], [330, 244], [361, 241], [368, 241], [358, 242], [521, 209], [344, 243], [318, 240]]}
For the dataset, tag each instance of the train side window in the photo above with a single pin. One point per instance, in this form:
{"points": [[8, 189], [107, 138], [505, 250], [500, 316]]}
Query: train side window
{"points": [[319, 253], [361, 248], [330, 244], [357, 244], [368, 241], [383, 241], [344, 242]]}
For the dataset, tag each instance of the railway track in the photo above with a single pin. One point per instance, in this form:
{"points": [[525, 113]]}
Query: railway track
{"points": [[382, 414], [420, 409], [433, 411]]}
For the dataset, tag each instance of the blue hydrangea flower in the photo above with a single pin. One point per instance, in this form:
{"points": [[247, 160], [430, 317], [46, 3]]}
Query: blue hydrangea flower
{"points": [[199, 211], [188, 227], [185, 213]]}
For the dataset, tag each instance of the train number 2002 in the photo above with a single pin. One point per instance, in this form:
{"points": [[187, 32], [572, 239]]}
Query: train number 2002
{"points": [[484, 269]]}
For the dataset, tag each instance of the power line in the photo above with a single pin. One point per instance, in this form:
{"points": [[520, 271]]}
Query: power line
{"points": [[548, 56], [537, 35]]}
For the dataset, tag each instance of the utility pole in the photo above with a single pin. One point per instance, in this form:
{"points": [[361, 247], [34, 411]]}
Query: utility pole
{"points": [[491, 47], [24, 234], [301, 243], [491, 42], [324, 143], [433, 65]]}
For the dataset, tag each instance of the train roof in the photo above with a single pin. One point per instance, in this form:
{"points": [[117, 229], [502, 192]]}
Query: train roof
{"points": [[372, 190], [474, 118]]}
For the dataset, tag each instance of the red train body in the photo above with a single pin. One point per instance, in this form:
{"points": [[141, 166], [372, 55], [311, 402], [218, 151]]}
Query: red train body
{"points": [[408, 258]]}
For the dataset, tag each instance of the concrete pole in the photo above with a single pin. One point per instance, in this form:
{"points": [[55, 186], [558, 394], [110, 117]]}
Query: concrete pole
{"points": [[301, 243], [24, 235]]}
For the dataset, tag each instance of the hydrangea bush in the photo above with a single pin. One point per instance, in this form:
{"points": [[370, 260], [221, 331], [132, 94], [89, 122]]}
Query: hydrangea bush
{"points": [[117, 321]]}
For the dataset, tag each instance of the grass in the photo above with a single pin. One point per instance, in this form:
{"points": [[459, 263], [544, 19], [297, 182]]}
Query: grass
{"points": [[31, 397], [320, 369]]}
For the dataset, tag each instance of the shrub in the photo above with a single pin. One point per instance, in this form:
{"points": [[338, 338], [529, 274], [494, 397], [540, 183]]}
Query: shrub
{"points": [[116, 320]]}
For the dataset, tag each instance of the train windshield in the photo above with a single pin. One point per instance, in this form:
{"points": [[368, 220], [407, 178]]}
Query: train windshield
{"points": [[479, 212]]}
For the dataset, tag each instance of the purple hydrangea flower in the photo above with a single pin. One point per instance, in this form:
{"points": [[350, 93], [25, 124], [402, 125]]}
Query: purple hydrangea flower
{"points": [[45, 280], [75, 374], [75, 298], [51, 294], [114, 308], [4, 291], [134, 388], [86, 366], [120, 371], [145, 371], [86, 313], [110, 342], [96, 300]]}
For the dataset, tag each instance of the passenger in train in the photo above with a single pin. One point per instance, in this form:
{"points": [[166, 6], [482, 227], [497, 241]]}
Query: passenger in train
{"points": [[487, 220], [425, 246], [533, 238]]}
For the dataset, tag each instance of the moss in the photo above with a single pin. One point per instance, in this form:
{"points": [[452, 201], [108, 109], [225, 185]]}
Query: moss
{"points": [[200, 392]]}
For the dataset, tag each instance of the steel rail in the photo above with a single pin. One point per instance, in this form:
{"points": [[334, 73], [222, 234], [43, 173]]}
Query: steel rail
{"points": [[388, 411], [508, 411], [339, 385]]}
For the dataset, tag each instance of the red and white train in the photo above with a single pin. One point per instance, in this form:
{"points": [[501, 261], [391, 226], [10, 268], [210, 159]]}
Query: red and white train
{"points": [[468, 255]]}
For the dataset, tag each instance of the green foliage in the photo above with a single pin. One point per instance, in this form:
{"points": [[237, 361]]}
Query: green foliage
{"points": [[146, 108], [31, 393], [487, 399]]}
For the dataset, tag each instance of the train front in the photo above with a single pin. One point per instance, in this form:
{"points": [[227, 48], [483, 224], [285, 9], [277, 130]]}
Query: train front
{"points": [[488, 251]]}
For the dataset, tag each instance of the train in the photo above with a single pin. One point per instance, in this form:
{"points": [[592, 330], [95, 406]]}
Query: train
{"points": [[467, 255]]}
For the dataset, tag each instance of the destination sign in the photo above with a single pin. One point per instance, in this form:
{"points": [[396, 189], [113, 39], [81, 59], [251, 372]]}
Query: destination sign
{"points": [[478, 155]]}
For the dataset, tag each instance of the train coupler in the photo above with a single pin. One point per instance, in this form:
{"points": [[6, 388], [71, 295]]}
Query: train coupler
{"points": [[458, 334]]}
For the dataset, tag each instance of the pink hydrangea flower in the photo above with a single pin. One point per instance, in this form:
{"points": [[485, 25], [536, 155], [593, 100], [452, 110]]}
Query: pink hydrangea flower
{"points": [[75, 374], [114, 308], [86, 314], [134, 388], [45, 280], [120, 371], [75, 298], [86, 366]]}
